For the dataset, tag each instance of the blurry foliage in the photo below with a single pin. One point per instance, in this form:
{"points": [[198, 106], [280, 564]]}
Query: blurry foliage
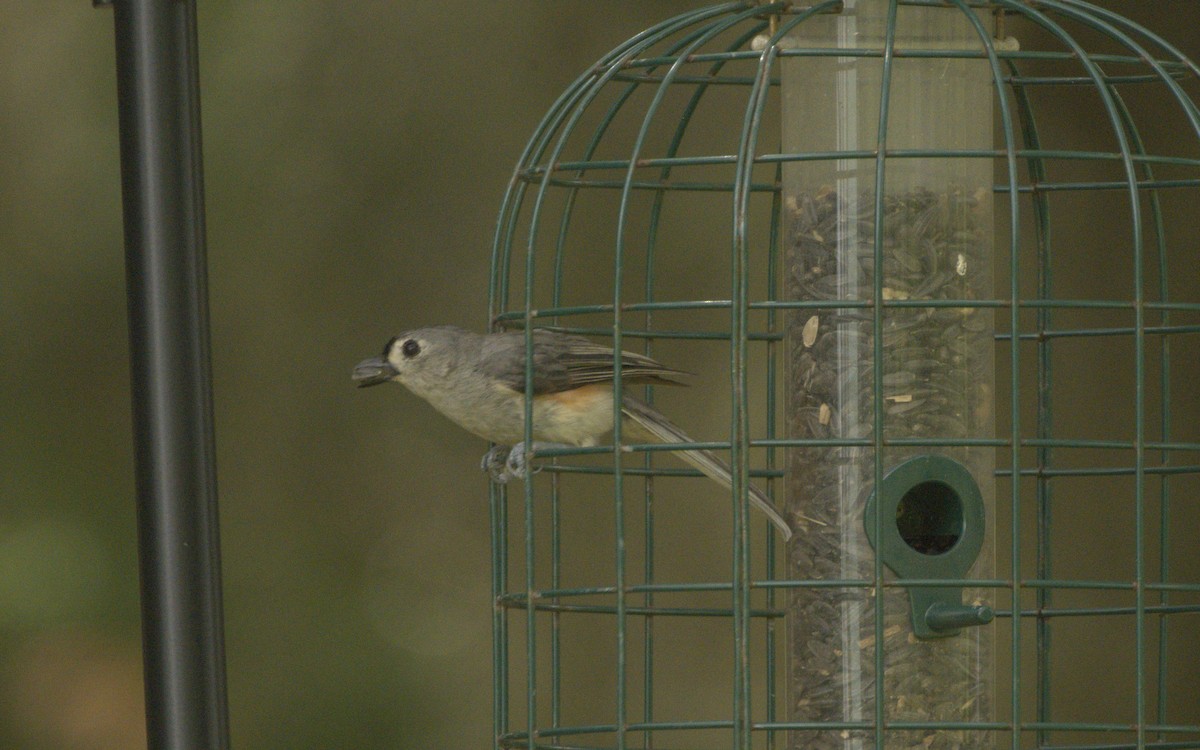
{"points": [[356, 156]]}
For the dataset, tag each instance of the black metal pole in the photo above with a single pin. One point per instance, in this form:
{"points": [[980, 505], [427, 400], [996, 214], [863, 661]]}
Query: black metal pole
{"points": [[178, 543]]}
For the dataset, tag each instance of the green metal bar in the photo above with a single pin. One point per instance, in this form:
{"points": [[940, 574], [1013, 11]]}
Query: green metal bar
{"points": [[555, 582], [694, 79], [648, 184], [586, 162], [1165, 427], [644, 472], [947, 442], [854, 442], [1114, 471], [739, 393], [573, 191], [1180, 59], [497, 505], [692, 587], [740, 437], [1011, 145], [692, 725], [655, 611], [665, 334], [652, 110], [1180, 63], [1118, 746], [1114, 444], [600, 130], [510, 209], [517, 598], [1179, 587], [580, 102], [770, 676], [578, 97], [582, 166], [626, 189], [1082, 81], [531, 691], [1042, 223], [739, 294], [843, 304], [1169, 609], [555, 496], [1117, 185], [1087, 726], [728, 80], [1139, 340], [889, 52], [1112, 25], [1167, 331], [655, 217], [540, 172], [555, 507], [898, 726], [770, 615], [1108, 585], [498, 291], [648, 602], [788, 725], [1164, 382]]}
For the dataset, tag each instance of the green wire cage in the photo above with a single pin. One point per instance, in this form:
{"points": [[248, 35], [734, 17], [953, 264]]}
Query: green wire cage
{"points": [[934, 266]]}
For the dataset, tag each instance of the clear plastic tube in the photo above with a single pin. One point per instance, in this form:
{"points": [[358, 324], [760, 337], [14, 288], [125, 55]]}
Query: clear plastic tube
{"points": [[937, 366]]}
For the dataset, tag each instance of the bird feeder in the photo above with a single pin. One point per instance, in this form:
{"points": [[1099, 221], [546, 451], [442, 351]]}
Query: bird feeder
{"points": [[933, 264]]}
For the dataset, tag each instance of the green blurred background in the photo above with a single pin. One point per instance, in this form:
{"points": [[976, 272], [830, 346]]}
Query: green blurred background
{"points": [[356, 155]]}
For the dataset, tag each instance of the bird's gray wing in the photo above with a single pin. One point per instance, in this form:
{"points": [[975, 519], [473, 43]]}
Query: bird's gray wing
{"points": [[562, 362], [503, 360], [587, 362]]}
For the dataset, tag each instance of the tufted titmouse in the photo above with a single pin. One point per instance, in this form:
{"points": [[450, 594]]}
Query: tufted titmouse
{"points": [[478, 380]]}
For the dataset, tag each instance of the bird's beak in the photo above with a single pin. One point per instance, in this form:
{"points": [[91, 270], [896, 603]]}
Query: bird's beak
{"points": [[373, 371]]}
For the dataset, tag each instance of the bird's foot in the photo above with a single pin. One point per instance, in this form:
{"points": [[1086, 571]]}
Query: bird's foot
{"points": [[503, 463], [494, 463], [517, 465]]}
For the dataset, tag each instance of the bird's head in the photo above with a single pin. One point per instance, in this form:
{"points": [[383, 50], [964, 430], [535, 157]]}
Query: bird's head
{"points": [[411, 358]]}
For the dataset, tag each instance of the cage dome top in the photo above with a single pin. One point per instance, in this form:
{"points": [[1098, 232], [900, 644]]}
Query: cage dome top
{"points": [[690, 108]]}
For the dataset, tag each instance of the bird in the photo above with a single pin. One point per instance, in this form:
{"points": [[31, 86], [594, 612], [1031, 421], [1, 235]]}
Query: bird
{"points": [[478, 380]]}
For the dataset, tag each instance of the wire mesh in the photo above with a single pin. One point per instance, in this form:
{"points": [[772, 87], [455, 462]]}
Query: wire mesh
{"points": [[648, 209]]}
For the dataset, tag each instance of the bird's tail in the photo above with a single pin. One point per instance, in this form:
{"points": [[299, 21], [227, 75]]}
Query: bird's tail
{"points": [[660, 429]]}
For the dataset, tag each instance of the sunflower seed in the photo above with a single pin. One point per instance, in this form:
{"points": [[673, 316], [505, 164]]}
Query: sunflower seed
{"points": [[810, 331]]}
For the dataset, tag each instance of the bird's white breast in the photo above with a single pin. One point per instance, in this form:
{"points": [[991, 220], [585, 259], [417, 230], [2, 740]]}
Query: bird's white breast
{"points": [[497, 413]]}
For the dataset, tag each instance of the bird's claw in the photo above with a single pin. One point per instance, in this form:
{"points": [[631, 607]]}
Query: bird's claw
{"points": [[494, 463], [503, 463], [517, 463]]}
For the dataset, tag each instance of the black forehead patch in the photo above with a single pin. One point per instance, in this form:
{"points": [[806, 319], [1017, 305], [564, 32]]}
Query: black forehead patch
{"points": [[387, 349]]}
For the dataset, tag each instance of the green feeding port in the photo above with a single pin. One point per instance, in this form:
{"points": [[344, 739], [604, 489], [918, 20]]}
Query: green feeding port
{"points": [[933, 526], [930, 517]]}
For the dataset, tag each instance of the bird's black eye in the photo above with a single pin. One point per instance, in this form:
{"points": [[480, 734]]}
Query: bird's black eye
{"points": [[410, 348]]}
